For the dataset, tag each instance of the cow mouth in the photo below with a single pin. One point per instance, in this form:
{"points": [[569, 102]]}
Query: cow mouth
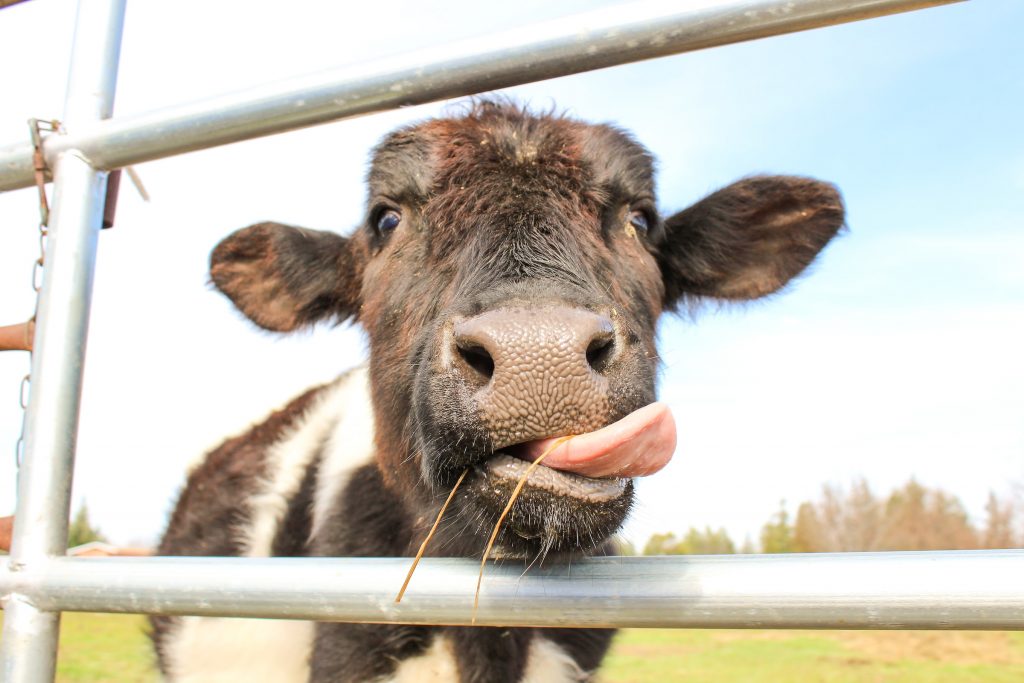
{"points": [[570, 503], [596, 466], [509, 469]]}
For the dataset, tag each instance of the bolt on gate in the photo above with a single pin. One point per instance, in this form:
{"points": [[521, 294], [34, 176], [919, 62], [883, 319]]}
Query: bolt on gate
{"points": [[924, 590]]}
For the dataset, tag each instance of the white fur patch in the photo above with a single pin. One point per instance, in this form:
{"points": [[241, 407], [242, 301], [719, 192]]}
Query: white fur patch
{"points": [[349, 446], [548, 663], [334, 417], [221, 650], [285, 465], [436, 665]]}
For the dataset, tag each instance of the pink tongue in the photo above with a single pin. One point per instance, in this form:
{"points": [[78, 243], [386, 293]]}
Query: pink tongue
{"points": [[637, 445]]}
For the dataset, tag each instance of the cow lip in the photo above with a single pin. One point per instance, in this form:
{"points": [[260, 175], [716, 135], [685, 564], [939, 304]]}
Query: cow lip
{"points": [[506, 467], [637, 444]]}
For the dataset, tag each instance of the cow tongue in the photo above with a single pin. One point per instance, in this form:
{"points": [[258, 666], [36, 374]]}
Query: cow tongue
{"points": [[635, 446]]}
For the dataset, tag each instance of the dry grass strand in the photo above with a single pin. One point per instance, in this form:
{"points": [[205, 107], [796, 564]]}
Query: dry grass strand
{"points": [[433, 529], [504, 514]]}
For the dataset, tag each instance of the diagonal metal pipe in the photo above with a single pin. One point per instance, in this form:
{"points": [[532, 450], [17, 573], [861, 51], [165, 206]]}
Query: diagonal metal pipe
{"points": [[618, 35]]}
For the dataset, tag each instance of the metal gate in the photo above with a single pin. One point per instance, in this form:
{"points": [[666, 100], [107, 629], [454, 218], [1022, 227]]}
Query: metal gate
{"points": [[961, 590]]}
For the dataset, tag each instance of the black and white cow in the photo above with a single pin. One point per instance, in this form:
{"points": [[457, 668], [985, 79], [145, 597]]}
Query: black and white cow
{"points": [[509, 271]]}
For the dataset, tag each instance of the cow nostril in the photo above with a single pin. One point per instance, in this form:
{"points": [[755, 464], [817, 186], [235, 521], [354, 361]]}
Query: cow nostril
{"points": [[599, 353], [477, 358]]}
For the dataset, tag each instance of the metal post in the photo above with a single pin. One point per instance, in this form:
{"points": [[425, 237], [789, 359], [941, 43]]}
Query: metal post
{"points": [[593, 40], [29, 648]]}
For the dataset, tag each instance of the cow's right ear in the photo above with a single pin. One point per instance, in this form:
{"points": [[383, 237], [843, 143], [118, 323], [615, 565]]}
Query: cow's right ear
{"points": [[282, 277], [748, 239]]}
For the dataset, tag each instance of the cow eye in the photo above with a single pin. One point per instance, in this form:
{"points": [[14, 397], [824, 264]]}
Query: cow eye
{"points": [[387, 221], [637, 220]]}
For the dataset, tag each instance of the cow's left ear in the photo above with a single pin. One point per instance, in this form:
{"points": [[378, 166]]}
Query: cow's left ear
{"points": [[282, 277], [748, 239]]}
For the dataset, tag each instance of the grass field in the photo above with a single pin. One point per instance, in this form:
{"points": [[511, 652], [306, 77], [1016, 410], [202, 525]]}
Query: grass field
{"points": [[105, 647], [816, 657]]}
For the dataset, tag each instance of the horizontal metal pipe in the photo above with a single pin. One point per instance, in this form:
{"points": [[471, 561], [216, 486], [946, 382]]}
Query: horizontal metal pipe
{"points": [[935, 590], [618, 35]]}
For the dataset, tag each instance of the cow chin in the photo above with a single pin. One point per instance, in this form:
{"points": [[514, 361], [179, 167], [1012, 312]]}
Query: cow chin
{"points": [[556, 513]]}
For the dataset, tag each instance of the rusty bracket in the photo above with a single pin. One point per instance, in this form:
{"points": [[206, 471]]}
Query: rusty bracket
{"points": [[39, 167], [43, 175], [110, 201], [17, 337]]}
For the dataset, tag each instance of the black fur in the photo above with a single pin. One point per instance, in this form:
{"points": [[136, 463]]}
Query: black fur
{"points": [[370, 521], [293, 535]]}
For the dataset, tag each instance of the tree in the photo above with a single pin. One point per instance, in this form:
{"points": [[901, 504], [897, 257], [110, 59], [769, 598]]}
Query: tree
{"points": [[999, 529], [917, 518], [696, 542], [707, 542], [913, 517], [809, 531], [661, 544], [840, 521], [777, 534], [81, 531]]}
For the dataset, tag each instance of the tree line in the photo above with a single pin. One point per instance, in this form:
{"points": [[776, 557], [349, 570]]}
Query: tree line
{"points": [[912, 517]]}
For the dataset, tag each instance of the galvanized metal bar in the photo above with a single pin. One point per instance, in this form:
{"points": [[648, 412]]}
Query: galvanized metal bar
{"points": [[28, 650], [627, 33], [44, 480], [937, 590]]}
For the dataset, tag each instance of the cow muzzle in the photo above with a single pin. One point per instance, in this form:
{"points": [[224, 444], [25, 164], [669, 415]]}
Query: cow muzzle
{"points": [[536, 372], [502, 383]]}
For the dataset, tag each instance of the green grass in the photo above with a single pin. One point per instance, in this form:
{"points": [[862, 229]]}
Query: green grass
{"points": [[104, 648], [114, 648], [640, 656]]}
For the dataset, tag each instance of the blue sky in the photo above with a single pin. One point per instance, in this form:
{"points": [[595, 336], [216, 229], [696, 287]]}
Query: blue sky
{"points": [[897, 356]]}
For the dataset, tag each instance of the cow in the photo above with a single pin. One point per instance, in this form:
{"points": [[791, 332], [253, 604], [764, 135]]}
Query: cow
{"points": [[509, 272]]}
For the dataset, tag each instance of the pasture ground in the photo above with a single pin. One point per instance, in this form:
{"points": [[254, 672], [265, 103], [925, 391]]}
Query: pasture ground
{"points": [[114, 648]]}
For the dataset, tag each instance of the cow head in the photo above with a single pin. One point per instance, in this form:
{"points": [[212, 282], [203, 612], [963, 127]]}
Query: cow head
{"points": [[510, 271]]}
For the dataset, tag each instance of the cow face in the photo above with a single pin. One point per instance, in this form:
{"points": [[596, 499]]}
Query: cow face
{"points": [[510, 270]]}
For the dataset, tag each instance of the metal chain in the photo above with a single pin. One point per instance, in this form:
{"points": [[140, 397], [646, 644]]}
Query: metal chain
{"points": [[42, 174]]}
